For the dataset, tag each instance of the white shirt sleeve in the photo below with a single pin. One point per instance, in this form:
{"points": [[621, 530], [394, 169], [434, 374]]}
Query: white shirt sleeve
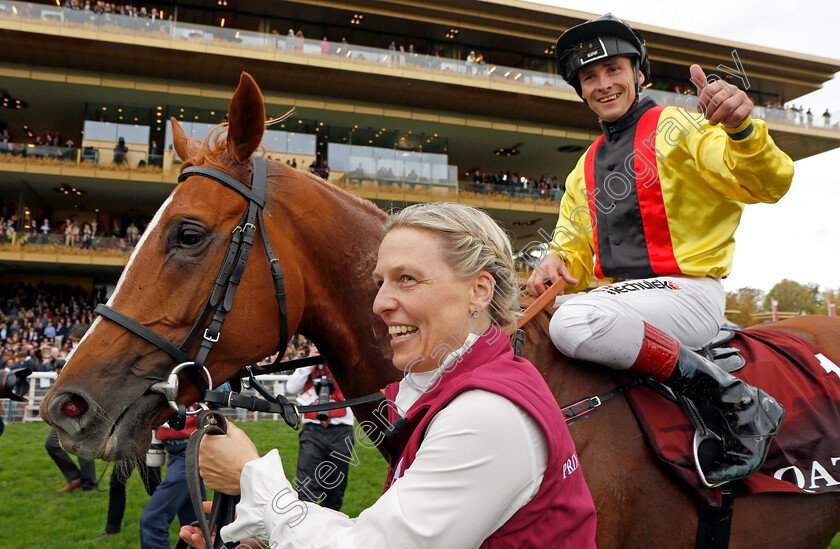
{"points": [[297, 380], [483, 458]]}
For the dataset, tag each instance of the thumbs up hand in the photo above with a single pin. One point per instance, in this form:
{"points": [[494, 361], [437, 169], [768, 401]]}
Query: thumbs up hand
{"points": [[720, 102]]}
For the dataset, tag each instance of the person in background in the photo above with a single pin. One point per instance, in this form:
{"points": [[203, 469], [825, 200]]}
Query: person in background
{"points": [[172, 496], [45, 230], [155, 158], [116, 494], [132, 233], [94, 227], [324, 438], [120, 151], [83, 476]]}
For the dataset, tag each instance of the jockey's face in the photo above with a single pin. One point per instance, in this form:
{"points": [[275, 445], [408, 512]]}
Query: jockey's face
{"points": [[608, 87]]}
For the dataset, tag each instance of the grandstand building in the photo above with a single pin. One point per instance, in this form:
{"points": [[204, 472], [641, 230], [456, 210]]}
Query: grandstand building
{"points": [[405, 102]]}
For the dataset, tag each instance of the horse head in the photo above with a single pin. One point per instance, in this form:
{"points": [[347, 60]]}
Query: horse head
{"points": [[101, 404]]}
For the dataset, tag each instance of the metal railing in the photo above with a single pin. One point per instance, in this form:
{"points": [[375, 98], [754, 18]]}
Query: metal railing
{"points": [[29, 241], [40, 383], [514, 191], [247, 41], [98, 157]]}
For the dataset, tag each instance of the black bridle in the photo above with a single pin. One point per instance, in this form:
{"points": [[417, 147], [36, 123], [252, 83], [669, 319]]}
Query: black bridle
{"points": [[219, 304], [227, 281]]}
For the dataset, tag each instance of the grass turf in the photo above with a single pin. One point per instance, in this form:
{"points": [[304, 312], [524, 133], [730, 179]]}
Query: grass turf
{"points": [[35, 517]]}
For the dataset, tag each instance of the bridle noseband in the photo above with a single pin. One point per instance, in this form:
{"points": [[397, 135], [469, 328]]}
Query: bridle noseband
{"points": [[227, 281]]}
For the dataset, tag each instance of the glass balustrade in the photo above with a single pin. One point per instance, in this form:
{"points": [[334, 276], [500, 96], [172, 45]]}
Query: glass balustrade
{"points": [[104, 158], [287, 46]]}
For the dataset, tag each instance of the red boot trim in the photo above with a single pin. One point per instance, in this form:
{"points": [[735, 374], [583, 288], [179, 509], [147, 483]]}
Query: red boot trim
{"points": [[658, 355]]}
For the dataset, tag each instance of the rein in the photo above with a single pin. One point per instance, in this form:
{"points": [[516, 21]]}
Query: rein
{"points": [[221, 297], [219, 304]]}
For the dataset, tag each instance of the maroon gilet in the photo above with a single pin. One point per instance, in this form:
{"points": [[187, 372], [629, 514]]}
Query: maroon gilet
{"points": [[561, 515]]}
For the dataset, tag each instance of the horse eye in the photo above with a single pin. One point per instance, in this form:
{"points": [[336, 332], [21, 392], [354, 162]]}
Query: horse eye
{"points": [[189, 237]]}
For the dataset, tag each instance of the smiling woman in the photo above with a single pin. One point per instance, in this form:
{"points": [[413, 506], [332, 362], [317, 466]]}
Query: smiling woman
{"points": [[434, 271], [482, 455]]}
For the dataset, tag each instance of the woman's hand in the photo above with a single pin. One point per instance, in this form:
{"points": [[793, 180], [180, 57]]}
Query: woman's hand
{"points": [[222, 457], [193, 536]]}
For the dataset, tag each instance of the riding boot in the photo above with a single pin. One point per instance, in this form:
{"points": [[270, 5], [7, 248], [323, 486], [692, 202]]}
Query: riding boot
{"points": [[751, 416]]}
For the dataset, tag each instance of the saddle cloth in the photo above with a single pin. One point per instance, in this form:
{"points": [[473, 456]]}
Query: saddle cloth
{"points": [[804, 457]]}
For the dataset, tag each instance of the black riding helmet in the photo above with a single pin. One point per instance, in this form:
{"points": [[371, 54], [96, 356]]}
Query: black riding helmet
{"points": [[600, 38]]}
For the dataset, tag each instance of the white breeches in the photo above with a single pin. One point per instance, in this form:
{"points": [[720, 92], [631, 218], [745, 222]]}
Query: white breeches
{"points": [[606, 325]]}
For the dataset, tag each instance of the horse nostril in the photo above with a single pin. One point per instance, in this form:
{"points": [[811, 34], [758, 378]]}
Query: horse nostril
{"points": [[74, 406]]}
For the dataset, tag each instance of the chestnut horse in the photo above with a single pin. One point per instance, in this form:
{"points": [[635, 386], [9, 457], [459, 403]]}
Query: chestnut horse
{"points": [[326, 242]]}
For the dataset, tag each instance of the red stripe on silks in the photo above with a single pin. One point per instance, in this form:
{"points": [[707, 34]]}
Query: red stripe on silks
{"points": [[652, 206], [589, 176]]}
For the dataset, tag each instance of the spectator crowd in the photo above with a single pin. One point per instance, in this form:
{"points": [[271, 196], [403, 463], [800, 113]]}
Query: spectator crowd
{"points": [[71, 232], [99, 7], [516, 183], [38, 324]]}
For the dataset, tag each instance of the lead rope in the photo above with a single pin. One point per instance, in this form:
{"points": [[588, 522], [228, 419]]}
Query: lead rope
{"points": [[209, 422]]}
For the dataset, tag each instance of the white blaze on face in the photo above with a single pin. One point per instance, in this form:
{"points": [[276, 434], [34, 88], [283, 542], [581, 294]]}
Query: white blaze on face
{"points": [[73, 350], [152, 225]]}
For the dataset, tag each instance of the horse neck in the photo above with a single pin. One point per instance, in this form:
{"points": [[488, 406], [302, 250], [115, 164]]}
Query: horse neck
{"points": [[343, 233]]}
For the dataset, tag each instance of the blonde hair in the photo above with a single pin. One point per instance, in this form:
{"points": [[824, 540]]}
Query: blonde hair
{"points": [[473, 243]]}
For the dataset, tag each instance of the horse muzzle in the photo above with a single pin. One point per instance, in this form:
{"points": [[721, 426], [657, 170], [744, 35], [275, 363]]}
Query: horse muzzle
{"points": [[87, 430]]}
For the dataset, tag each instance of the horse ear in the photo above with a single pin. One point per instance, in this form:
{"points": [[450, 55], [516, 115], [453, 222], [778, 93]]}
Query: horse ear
{"points": [[180, 140], [246, 119]]}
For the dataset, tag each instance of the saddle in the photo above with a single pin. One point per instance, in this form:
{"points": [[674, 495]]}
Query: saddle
{"points": [[803, 456]]}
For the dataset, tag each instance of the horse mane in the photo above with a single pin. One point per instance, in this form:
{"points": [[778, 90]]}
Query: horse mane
{"points": [[537, 327], [366, 205], [211, 151]]}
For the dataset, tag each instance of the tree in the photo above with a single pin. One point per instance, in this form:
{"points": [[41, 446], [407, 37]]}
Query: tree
{"points": [[829, 296], [794, 297], [746, 301]]}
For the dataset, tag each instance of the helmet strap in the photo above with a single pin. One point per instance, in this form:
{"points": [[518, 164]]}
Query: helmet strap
{"points": [[636, 80]]}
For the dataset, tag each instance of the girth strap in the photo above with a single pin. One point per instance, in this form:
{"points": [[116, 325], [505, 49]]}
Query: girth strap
{"points": [[584, 407], [714, 525]]}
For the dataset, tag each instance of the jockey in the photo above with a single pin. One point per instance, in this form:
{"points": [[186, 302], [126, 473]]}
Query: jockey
{"points": [[653, 205]]}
